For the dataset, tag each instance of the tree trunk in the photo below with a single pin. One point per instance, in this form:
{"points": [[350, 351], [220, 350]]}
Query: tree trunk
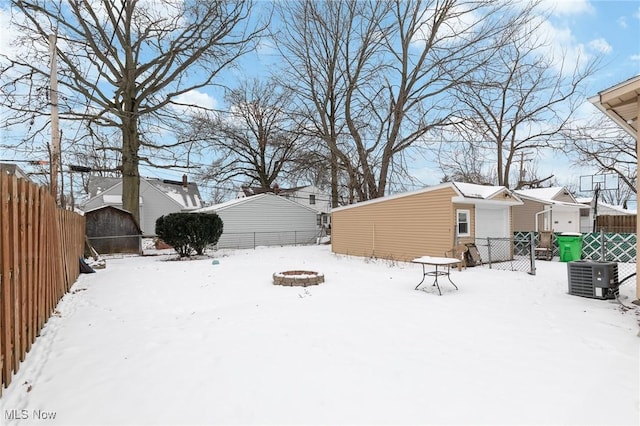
{"points": [[334, 180], [130, 173]]}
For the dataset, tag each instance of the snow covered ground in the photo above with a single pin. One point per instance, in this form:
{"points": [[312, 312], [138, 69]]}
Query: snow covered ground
{"points": [[151, 341]]}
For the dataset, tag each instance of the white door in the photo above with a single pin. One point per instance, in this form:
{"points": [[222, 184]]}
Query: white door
{"points": [[493, 222]]}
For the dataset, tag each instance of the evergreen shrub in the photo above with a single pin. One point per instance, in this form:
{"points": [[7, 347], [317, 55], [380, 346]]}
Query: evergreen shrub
{"points": [[189, 232]]}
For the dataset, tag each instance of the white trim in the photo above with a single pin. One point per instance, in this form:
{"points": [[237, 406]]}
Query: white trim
{"points": [[468, 213], [480, 202]]}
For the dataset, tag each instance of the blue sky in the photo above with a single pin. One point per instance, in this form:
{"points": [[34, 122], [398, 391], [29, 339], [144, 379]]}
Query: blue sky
{"points": [[581, 29], [611, 26], [577, 27]]}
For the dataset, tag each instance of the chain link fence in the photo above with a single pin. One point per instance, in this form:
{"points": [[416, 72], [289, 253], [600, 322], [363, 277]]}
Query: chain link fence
{"points": [[244, 240], [509, 254], [517, 253]]}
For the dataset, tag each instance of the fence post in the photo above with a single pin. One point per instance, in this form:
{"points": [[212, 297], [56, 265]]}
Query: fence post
{"points": [[489, 250], [532, 250], [603, 249]]}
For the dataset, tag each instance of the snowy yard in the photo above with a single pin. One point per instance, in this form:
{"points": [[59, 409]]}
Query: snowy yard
{"points": [[150, 341]]}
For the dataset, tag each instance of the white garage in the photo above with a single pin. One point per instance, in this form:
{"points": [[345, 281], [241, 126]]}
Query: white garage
{"points": [[265, 220], [495, 226]]}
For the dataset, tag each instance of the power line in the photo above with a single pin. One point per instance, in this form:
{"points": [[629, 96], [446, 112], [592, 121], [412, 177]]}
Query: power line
{"points": [[93, 88]]}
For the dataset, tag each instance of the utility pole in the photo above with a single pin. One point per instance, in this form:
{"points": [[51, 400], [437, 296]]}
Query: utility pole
{"points": [[521, 177], [54, 165]]}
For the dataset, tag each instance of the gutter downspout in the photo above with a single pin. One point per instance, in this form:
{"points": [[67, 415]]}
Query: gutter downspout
{"points": [[539, 213]]}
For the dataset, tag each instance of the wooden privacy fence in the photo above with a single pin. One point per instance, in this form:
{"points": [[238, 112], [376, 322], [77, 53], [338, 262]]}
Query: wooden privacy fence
{"points": [[39, 261], [626, 223]]}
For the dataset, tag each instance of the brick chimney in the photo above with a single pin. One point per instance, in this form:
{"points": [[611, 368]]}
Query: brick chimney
{"points": [[185, 182]]}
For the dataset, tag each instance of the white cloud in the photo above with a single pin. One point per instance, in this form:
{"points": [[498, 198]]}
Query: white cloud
{"points": [[200, 99], [191, 101], [569, 7], [600, 45], [637, 14], [562, 48], [622, 22], [635, 57], [9, 33], [459, 22]]}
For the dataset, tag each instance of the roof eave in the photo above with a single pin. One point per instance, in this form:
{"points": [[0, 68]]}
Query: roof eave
{"points": [[620, 99], [483, 201]]}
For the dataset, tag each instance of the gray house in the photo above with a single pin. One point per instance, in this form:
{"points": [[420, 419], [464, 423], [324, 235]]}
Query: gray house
{"points": [[158, 197], [265, 220]]}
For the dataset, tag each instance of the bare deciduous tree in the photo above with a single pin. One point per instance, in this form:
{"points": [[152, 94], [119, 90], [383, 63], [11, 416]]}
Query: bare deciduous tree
{"points": [[612, 150], [256, 140], [378, 75], [123, 64], [311, 42], [517, 103]]}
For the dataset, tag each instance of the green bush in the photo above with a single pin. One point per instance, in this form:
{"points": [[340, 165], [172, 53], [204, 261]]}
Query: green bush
{"points": [[188, 232]]}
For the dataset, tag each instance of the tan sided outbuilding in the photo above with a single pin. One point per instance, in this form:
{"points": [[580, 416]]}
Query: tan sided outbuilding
{"points": [[429, 221]]}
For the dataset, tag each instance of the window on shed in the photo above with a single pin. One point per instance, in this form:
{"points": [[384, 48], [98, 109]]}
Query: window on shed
{"points": [[464, 226], [312, 199]]}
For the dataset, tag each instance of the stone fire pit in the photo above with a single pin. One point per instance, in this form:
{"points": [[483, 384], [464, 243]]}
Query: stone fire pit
{"points": [[298, 278]]}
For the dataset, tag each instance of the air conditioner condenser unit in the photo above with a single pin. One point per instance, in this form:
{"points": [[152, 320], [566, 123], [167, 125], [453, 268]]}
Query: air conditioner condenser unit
{"points": [[598, 280]]}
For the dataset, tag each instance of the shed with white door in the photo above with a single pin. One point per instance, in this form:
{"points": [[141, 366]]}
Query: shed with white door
{"points": [[265, 220], [428, 221]]}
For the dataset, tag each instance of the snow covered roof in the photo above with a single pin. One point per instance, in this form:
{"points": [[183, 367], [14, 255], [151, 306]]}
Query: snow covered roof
{"points": [[610, 207], [224, 205], [251, 199], [187, 196], [473, 190], [468, 193], [547, 194]]}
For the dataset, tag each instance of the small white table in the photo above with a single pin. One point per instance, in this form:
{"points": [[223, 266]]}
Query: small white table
{"points": [[448, 262]]}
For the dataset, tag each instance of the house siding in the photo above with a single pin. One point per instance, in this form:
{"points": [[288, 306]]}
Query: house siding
{"points": [[322, 199], [153, 201], [524, 216], [266, 220], [565, 197], [400, 228], [155, 204]]}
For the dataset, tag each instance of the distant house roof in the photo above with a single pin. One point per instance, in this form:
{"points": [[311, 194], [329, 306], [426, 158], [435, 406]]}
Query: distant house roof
{"points": [[254, 190], [237, 201], [613, 208], [184, 193], [547, 194], [466, 193], [551, 196], [13, 170], [472, 190]]}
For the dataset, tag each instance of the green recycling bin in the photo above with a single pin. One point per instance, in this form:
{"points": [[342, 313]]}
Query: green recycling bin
{"points": [[569, 246]]}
